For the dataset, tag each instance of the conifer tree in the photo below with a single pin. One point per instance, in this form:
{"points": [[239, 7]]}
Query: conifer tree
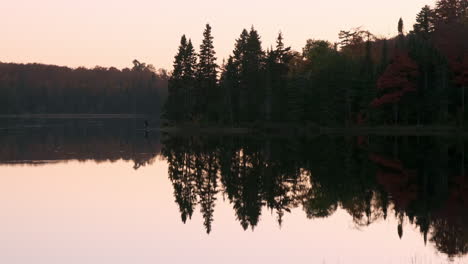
{"points": [[172, 111], [252, 76], [239, 65], [228, 79], [189, 66], [206, 95], [424, 22], [447, 11], [278, 70], [400, 26], [181, 84]]}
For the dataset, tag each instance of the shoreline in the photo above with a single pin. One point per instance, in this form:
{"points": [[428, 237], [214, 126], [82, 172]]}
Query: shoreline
{"points": [[74, 116], [317, 130]]}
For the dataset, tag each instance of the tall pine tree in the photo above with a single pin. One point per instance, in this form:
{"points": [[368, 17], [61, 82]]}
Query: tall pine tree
{"points": [[207, 93], [447, 11], [172, 110], [179, 104], [189, 81], [424, 22]]}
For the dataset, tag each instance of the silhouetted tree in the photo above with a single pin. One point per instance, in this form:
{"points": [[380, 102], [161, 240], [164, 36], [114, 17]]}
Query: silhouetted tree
{"points": [[447, 11], [424, 22], [400, 26], [207, 94]]}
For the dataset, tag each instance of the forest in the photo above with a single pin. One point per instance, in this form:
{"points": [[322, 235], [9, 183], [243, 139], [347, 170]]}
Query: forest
{"points": [[415, 78], [48, 89]]}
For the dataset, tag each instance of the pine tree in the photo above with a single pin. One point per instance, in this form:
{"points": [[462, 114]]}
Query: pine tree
{"points": [[424, 22], [276, 69], [228, 95], [181, 84], [400, 44], [252, 76], [239, 65], [172, 110], [400, 26], [206, 95], [189, 70], [447, 11]]}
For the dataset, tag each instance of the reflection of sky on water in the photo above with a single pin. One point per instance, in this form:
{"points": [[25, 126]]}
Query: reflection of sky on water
{"points": [[111, 213]]}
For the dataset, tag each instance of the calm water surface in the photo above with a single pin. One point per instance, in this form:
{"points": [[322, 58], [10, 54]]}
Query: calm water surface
{"points": [[103, 191]]}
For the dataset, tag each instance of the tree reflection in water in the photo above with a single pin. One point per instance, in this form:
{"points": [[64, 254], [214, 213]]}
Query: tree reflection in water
{"points": [[415, 178]]}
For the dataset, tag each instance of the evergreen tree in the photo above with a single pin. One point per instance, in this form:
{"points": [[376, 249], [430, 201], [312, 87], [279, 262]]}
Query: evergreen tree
{"points": [[401, 35], [207, 93], [276, 80], [189, 79], [400, 26], [239, 84], [447, 11], [252, 77], [179, 104], [175, 86], [366, 90], [228, 92], [424, 22]]}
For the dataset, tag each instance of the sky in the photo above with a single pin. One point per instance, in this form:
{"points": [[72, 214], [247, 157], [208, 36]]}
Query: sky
{"points": [[115, 32]]}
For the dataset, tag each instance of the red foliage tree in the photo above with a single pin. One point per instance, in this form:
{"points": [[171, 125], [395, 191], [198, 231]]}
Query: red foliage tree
{"points": [[399, 78]]}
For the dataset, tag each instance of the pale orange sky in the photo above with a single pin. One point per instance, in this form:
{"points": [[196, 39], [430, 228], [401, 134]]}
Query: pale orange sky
{"points": [[114, 32]]}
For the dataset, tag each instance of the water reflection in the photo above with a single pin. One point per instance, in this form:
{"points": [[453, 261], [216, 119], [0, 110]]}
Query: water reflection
{"points": [[49, 141], [421, 180]]}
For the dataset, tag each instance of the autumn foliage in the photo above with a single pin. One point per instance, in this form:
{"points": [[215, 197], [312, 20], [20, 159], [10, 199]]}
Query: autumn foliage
{"points": [[398, 79], [396, 179]]}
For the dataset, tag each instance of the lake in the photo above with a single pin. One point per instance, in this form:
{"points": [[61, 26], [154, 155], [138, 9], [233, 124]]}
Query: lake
{"points": [[107, 191]]}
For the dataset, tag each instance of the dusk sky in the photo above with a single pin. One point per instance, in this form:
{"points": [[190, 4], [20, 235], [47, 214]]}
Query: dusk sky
{"points": [[113, 33]]}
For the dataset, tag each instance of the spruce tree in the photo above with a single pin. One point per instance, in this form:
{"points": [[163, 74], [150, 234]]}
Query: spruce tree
{"points": [[252, 76], [239, 85], [206, 94], [401, 36], [424, 22], [278, 78], [175, 97], [400, 26], [189, 70], [228, 97], [447, 11]]}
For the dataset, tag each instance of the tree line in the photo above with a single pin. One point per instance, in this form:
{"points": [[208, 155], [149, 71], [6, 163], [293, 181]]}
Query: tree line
{"points": [[49, 89], [417, 77]]}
